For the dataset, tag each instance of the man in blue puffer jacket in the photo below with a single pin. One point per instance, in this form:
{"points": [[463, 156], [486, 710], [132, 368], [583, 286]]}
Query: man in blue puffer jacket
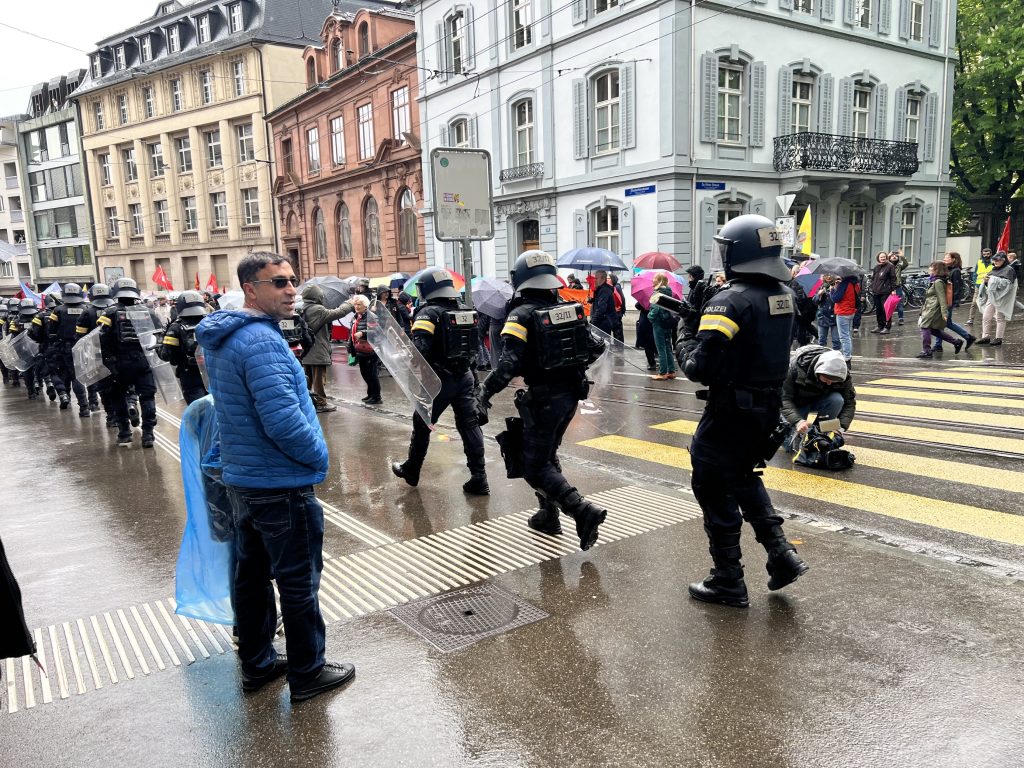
{"points": [[273, 453]]}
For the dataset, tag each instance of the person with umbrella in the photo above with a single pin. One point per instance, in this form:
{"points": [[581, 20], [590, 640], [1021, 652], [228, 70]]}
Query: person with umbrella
{"points": [[663, 323], [317, 361], [602, 303], [845, 298]]}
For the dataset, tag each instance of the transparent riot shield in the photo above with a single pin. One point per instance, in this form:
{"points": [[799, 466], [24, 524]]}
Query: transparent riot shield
{"points": [[7, 355], [89, 367], [25, 351], [604, 409], [407, 366], [163, 374]]}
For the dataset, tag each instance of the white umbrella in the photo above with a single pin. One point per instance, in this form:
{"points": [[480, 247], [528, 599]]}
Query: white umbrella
{"points": [[232, 300]]}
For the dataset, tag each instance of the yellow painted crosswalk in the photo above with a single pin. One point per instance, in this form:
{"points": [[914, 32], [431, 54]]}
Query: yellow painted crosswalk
{"points": [[942, 397], [949, 386], [936, 413], [973, 374]]}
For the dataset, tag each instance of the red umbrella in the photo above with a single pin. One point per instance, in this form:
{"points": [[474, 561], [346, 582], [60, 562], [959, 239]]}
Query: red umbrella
{"points": [[657, 260]]}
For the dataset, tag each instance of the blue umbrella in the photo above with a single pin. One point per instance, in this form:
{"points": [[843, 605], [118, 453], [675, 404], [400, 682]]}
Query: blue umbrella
{"points": [[591, 258]]}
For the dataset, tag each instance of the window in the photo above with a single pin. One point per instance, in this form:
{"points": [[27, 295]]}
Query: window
{"points": [[64, 133], [213, 154], [235, 17], [727, 211], [104, 161], [407, 245], [112, 223], [337, 56], [286, 153], [460, 133], [246, 149], [523, 112], [146, 48], [803, 6], [522, 18], [371, 229], [119, 57], [206, 85], [238, 74], [97, 66], [862, 13], [189, 214], [730, 102], [605, 226], [861, 112], [313, 149], [803, 97], [364, 39], [162, 215], [917, 20], [344, 233], [97, 115], [131, 171], [337, 141], [173, 39], [177, 97], [908, 228], [912, 126], [135, 211], [183, 149], [6, 269], [148, 104], [37, 184], [310, 72], [122, 109], [455, 29], [606, 112], [319, 236], [400, 113], [855, 236], [366, 145], [251, 206], [219, 208], [203, 28], [156, 160], [600, 6]]}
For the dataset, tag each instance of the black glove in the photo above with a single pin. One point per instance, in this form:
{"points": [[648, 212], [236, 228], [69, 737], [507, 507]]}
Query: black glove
{"points": [[483, 402]]}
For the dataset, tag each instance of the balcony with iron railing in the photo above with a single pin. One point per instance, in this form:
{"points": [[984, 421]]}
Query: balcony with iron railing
{"points": [[847, 154], [521, 172]]}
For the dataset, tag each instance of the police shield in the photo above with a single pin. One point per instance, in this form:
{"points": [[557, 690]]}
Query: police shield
{"points": [[602, 408], [7, 355], [149, 337], [407, 366], [25, 351], [89, 367]]}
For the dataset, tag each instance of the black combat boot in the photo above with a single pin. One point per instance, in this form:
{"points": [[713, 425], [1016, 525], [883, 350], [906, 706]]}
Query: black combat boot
{"points": [[407, 472], [84, 412], [545, 520], [111, 421], [477, 485], [724, 585], [784, 565], [147, 438], [65, 401], [133, 415], [588, 516], [51, 392], [124, 434]]}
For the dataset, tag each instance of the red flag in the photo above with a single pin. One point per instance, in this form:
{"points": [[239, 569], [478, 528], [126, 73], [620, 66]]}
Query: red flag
{"points": [[161, 279], [211, 284], [1004, 239], [197, 282]]}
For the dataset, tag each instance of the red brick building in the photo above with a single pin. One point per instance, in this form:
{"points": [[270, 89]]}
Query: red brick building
{"points": [[349, 178]]}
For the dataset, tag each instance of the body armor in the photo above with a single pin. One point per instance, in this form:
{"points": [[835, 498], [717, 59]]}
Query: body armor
{"points": [[458, 334], [562, 336]]}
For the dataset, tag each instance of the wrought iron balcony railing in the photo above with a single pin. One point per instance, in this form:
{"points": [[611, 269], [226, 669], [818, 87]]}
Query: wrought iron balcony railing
{"points": [[520, 172], [827, 152]]}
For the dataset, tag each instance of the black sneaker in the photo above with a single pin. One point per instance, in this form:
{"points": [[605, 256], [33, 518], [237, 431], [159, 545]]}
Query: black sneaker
{"points": [[957, 345], [84, 412], [477, 485], [133, 416], [65, 401], [326, 408], [252, 683], [407, 474], [148, 440], [124, 440], [331, 676], [374, 401]]}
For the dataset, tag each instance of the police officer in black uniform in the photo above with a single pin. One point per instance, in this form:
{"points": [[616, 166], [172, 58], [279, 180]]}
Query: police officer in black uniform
{"points": [[128, 364], [549, 344], [742, 356], [13, 374], [99, 302], [444, 332], [61, 331], [179, 344], [44, 333], [22, 323]]}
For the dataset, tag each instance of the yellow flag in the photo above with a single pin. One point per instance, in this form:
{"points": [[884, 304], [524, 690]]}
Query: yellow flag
{"points": [[804, 235]]}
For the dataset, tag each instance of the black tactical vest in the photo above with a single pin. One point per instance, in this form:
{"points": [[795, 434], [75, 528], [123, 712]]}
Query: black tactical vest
{"points": [[758, 356]]}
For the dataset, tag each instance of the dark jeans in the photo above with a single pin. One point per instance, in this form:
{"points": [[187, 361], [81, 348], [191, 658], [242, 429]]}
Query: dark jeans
{"points": [[880, 317], [368, 370], [279, 535]]}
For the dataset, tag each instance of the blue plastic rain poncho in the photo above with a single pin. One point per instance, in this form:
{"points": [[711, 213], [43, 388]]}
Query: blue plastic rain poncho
{"points": [[206, 561]]}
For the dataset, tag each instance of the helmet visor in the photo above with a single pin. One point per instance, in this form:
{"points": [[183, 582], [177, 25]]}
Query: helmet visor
{"points": [[719, 254]]}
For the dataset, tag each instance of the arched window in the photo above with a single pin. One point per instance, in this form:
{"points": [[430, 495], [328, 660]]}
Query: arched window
{"points": [[310, 72], [289, 226], [364, 39], [344, 227], [522, 116], [371, 229], [606, 111], [407, 245], [320, 234], [336, 56], [605, 226]]}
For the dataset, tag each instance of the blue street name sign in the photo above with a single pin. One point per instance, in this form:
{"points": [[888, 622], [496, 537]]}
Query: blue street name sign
{"points": [[712, 185], [634, 191]]}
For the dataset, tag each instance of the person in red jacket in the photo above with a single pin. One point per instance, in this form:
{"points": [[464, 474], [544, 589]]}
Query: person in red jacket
{"points": [[846, 296]]}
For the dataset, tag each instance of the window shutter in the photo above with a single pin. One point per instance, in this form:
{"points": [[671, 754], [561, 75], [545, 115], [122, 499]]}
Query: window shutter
{"points": [[579, 237], [826, 96], [850, 12], [758, 87], [708, 216], [469, 58], [759, 207], [935, 20], [442, 54], [895, 219], [846, 106], [828, 10], [785, 122], [884, 16], [927, 214], [626, 235], [904, 20], [580, 132], [627, 105], [709, 97], [900, 124], [444, 136], [931, 124], [881, 110], [786, 5], [471, 125], [821, 230], [843, 231], [877, 231], [579, 11]]}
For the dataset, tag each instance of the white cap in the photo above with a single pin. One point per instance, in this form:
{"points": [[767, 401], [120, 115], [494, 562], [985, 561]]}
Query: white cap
{"points": [[831, 364]]}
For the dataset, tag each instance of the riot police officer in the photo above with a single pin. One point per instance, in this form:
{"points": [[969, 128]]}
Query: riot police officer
{"points": [[44, 333], [444, 332], [61, 328], [22, 323], [179, 344], [124, 357], [11, 305], [742, 356], [549, 344], [100, 301]]}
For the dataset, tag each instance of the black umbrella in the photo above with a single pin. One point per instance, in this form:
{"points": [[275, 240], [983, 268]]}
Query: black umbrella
{"points": [[838, 266]]}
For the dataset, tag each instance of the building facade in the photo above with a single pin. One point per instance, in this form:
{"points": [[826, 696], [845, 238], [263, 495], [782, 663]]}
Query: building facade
{"points": [[646, 125], [349, 181], [15, 262], [59, 224], [177, 150]]}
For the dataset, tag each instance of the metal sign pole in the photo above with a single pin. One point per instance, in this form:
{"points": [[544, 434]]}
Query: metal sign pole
{"points": [[467, 270]]}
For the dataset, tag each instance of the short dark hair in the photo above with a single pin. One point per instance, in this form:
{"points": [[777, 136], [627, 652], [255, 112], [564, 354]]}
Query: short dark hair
{"points": [[941, 270], [252, 263]]}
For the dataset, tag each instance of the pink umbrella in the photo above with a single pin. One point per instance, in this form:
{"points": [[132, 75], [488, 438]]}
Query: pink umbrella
{"points": [[642, 286], [656, 260]]}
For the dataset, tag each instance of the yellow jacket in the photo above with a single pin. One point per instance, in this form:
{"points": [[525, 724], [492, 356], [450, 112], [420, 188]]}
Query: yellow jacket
{"points": [[980, 271]]}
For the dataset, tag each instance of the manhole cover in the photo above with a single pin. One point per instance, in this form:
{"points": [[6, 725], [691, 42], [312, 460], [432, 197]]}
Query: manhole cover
{"points": [[457, 620]]}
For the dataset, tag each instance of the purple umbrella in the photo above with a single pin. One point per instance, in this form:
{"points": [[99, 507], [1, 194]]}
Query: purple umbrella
{"points": [[642, 286]]}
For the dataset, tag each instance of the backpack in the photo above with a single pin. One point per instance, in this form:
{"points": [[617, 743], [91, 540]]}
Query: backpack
{"points": [[307, 339], [823, 451]]}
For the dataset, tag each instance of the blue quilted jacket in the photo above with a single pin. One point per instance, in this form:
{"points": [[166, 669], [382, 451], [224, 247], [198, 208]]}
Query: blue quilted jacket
{"points": [[270, 436]]}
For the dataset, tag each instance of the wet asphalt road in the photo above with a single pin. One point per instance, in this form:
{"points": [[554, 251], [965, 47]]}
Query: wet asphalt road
{"points": [[902, 646]]}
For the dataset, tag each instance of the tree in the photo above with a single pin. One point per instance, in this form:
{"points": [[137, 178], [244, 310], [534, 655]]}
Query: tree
{"points": [[987, 154]]}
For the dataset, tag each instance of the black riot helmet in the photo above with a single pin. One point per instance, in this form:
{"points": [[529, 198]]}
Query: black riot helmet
{"points": [[51, 301], [536, 270], [190, 304], [750, 245], [12, 306], [3, 308], [126, 291], [27, 309], [72, 294], [437, 283], [100, 293]]}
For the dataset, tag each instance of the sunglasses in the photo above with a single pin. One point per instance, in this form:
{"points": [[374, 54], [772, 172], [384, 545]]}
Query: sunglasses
{"points": [[279, 282]]}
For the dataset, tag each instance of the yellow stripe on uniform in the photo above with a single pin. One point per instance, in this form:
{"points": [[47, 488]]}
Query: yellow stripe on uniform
{"points": [[80, 329], [724, 325], [514, 329], [987, 419], [946, 386], [37, 321], [53, 316], [941, 397], [171, 341], [105, 321], [423, 325], [975, 521]]}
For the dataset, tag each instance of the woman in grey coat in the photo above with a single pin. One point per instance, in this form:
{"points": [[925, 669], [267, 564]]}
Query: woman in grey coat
{"points": [[317, 361]]}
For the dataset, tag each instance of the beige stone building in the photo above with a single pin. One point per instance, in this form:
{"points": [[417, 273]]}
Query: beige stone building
{"points": [[176, 148]]}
